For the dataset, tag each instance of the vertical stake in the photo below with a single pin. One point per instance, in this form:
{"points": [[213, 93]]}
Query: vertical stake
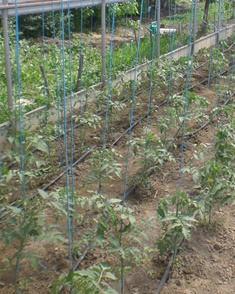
{"points": [[158, 26], [45, 80], [103, 41], [219, 21], [79, 77], [7, 59], [151, 43], [194, 25]]}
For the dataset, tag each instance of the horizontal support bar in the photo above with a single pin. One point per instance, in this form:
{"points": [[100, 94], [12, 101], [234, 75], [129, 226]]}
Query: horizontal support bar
{"points": [[23, 7]]}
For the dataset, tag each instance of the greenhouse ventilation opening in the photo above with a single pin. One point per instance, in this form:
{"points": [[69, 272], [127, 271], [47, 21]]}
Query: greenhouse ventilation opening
{"points": [[118, 145]]}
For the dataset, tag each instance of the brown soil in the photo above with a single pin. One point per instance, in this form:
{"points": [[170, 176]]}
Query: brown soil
{"points": [[205, 263]]}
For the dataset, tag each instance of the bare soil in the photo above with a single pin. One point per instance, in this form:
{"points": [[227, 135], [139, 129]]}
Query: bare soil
{"points": [[204, 264]]}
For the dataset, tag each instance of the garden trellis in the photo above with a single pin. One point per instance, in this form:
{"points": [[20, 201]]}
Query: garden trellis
{"points": [[22, 7], [80, 155]]}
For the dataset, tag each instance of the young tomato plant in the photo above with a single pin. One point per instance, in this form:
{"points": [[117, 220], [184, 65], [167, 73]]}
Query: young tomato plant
{"points": [[87, 120], [19, 151], [216, 177], [104, 166], [23, 223], [177, 216], [148, 151], [115, 232], [181, 110], [94, 279]]}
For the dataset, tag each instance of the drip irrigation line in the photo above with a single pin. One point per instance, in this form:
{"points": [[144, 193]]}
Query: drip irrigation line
{"points": [[209, 121], [168, 268], [169, 265], [137, 94], [65, 171], [131, 189], [129, 129], [80, 259]]}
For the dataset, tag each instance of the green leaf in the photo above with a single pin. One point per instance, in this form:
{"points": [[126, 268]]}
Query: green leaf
{"points": [[176, 225], [161, 212], [126, 228], [186, 233], [85, 273], [124, 216], [132, 219], [15, 210], [70, 276], [59, 207], [43, 194], [225, 199], [196, 177], [189, 218], [42, 146], [9, 176], [219, 192], [114, 200], [110, 276], [169, 218]]}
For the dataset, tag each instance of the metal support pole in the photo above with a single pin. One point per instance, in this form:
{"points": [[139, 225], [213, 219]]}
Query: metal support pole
{"points": [[194, 24], [7, 58], [103, 41], [219, 20], [158, 26]]}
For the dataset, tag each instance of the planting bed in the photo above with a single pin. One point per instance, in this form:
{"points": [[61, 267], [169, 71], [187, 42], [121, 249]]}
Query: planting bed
{"points": [[205, 262]]}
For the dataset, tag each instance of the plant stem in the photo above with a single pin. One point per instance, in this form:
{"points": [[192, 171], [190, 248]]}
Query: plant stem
{"points": [[17, 265], [100, 276]]}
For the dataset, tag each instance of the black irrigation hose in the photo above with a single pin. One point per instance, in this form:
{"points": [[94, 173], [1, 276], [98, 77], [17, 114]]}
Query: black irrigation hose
{"points": [[168, 268], [80, 259], [129, 129], [133, 187], [65, 171], [55, 180], [99, 113]]}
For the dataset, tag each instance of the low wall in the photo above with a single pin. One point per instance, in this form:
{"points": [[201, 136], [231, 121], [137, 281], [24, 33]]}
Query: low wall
{"points": [[31, 119]]}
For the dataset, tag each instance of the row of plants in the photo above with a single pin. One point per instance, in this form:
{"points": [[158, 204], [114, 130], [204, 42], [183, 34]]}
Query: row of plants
{"points": [[59, 58], [60, 61], [92, 120], [113, 227], [213, 187], [179, 213], [174, 113]]}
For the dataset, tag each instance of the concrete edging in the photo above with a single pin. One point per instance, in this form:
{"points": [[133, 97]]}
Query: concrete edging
{"points": [[32, 118]]}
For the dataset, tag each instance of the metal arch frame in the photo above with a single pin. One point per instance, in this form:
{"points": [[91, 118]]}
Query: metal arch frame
{"points": [[23, 7], [10, 8]]}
